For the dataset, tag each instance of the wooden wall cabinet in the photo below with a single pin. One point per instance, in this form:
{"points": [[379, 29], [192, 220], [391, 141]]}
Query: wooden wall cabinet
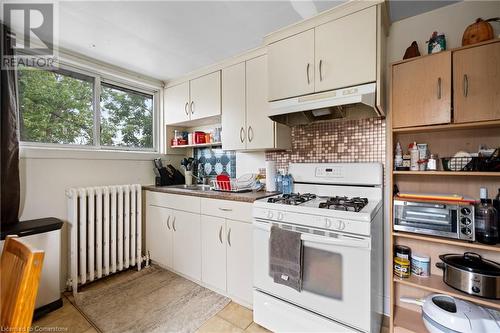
{"points": [[476, 86], [421, 91], [422, 87], [198, 98]]}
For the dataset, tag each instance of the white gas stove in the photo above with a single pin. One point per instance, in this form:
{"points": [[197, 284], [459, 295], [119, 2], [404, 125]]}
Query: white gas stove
{"points": [[337, 208]]}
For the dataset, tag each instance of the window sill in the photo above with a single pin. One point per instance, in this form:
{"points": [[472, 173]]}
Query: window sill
{"points": [[37, 152]]}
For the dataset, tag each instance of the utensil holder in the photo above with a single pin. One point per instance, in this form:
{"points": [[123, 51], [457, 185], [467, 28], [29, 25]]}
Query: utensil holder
{"points": [[188, 175]]}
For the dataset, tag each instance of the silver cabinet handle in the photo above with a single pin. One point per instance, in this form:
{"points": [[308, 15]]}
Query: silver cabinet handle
{"points": [[466, 85], [225, 209], [229, 237], [173, 224], [307, 73], [168, 222], [186, 109], [192, 107], [242, 135], [250, 133], [439, 88], [220, 234], [320, 70]]}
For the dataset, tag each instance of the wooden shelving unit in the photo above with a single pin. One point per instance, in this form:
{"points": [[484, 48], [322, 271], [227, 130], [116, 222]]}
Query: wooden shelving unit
{"points": [[445, 140], [435, 284], [449, 173], [199, 145]]}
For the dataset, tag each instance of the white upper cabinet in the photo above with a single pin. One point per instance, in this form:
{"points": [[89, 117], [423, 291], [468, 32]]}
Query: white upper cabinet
{"points": [[291, 66], [177, 103], [205, 96], [346, 51], [233, 107], [260, 128], [245, 121], [331, 55], [195, 99]]}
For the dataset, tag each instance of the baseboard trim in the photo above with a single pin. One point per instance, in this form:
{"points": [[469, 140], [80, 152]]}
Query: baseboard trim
{"points": [[44, 309]]}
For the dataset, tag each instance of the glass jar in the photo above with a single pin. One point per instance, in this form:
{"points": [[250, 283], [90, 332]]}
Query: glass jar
{"points": [[486, 217]]}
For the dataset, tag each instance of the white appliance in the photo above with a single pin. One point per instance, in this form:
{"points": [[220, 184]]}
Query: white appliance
{"points": [[342, 250], [347, 103]]}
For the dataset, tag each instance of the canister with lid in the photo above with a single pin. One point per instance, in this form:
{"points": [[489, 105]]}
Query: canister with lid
{"points": [[420, 265]]}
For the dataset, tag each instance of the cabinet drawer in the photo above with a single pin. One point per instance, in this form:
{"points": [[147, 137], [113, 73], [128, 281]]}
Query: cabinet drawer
{"points": [[180, 202], [234, 210]]}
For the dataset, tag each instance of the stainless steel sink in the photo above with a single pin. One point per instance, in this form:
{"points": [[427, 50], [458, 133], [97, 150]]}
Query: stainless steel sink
{"points": [[194, 187]]}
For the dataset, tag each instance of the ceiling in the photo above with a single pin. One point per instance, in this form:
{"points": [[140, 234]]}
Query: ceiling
{"points": [[166, 39]]}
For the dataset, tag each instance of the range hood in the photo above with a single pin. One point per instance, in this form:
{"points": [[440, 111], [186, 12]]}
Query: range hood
{"points": [[355, 102]]}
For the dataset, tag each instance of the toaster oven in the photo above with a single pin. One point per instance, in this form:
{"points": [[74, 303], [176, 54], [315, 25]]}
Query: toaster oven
{"points": [[436, 219]]}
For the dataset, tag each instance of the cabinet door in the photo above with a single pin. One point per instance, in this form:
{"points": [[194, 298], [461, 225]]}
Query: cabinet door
{"points": [[159, 234], [177, 104], [239, 260], [421, 91], [187, 244], [213, 251], [346, 50], [291, 66], [476, 86], [233, 107], [205, 96], [260, 129]]}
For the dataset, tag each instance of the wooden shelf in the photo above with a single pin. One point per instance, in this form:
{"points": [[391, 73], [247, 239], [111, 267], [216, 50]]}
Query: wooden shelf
{"points": [[435, 284], [408, 321], [447, 127], [449, 173], [199, 145], [449, 241]]}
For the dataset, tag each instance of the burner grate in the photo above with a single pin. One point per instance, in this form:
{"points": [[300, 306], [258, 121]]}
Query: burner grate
{"points": [[344, 203], [292, 199]]}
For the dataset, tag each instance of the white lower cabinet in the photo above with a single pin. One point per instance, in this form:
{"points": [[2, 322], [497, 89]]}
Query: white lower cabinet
{"points": [[213, 251], [159, 237], [239, 260], [187, 244]]}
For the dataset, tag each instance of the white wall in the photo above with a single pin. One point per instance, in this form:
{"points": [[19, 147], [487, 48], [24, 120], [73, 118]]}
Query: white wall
{"points": [[44, 181], [249, 162], [451, 20]]}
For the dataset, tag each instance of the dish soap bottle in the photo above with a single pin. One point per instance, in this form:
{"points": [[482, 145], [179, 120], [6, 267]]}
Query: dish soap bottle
{"points": [[486, 219]]}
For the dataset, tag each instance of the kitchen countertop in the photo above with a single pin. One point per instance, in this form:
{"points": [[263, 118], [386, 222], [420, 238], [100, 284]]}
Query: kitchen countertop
{"points": [[243, 197]]}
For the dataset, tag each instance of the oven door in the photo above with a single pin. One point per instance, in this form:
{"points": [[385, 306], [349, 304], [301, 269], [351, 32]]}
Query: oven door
{"points": [[336, 274]]}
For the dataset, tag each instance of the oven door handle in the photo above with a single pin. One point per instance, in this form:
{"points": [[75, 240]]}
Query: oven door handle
{"points": [[342, 240]]}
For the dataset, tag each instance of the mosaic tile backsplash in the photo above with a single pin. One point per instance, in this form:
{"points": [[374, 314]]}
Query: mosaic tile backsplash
{"points": [[216, 161], [334, 142]]}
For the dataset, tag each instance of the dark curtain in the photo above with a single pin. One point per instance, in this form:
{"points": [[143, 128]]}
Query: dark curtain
{"points": [[9, 173]]}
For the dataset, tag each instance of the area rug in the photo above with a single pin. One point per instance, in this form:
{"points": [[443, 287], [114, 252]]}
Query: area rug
{"points": [[151, 300]]}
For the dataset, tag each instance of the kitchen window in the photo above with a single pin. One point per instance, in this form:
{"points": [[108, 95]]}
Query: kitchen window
{"points": [[73, 108]]}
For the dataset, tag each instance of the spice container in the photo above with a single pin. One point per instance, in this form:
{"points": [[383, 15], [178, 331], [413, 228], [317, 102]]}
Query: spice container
{"points": [[401, 267], [420, 265], [432, 162]]}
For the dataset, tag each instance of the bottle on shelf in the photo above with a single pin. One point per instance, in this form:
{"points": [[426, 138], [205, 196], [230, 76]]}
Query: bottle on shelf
{"points": [[398, 157], [414, 156], [486, 219]]}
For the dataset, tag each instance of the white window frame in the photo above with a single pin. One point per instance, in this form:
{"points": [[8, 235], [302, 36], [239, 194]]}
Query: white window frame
{"points": [[96, 144]]}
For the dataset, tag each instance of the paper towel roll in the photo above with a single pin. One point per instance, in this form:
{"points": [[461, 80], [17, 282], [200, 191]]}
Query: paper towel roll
{"points": [[271, 176]]}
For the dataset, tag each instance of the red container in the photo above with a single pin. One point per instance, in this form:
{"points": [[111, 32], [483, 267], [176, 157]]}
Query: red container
{"points": [[199, 137]]}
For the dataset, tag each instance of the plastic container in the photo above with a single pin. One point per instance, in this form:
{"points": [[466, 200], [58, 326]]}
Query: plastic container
{"points": [[279, 181], [414, 156], [420, 265], [402, 251], [401, 267]]}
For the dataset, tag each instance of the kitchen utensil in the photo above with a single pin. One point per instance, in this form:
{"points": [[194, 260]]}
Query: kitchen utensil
{"points": [[472, 274], [446, 314], [246, 180]]}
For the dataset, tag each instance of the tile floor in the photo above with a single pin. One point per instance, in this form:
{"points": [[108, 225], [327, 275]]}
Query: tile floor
{"points": [[234, 318]]}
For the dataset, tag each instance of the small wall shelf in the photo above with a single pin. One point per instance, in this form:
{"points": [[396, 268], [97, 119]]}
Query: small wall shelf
{"points": [[435, 284], [448, 173], [199, 145]]}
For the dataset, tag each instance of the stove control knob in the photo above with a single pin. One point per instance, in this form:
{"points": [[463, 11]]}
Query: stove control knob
{"points": [[328, 223], [340, 225], [270, 214], [280, 216]]}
